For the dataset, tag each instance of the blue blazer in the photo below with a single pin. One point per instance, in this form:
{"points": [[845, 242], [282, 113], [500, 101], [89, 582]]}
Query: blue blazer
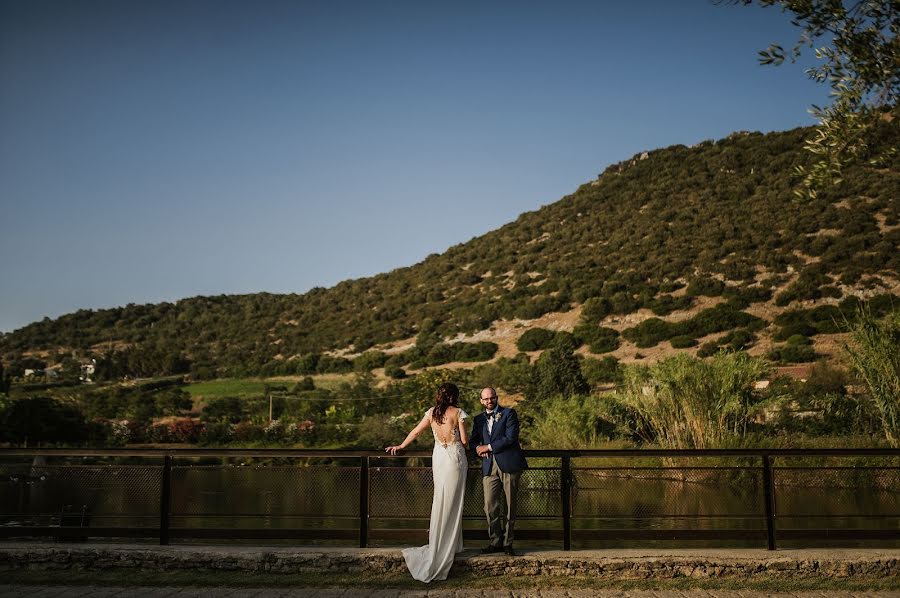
{"points": [[504, 440]]}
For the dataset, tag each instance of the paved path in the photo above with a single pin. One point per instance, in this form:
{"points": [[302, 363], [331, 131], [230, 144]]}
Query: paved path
{"points": [[18, 591]]}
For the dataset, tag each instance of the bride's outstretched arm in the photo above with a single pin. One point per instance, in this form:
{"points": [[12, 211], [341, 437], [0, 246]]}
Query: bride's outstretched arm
{"points": [[426, 421]]}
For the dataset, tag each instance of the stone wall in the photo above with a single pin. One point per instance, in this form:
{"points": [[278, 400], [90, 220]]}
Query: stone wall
{"points": [[600, 564]]}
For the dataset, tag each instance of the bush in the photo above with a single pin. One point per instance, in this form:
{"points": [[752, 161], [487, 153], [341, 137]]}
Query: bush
{"points": [[482, 351], [304, 385], [793, 354], [215, 433], [369, 361], [186, 430], [666, 304], [738, 340], [228, 409], [247, 432], [708, 349], [709, 287], [598, 338], [159, 434], [649, 332], [36, 420], [333, 365], [397, 373], [595, 309], [535, 339], [606, 370], [682, 342], [572, 423], [797, 340]]}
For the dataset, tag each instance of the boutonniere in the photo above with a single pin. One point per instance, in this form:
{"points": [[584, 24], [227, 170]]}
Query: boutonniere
{"points": [[497, 416]]}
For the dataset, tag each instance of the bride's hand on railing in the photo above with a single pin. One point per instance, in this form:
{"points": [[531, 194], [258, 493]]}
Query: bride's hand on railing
{"points": [[393, 450]]}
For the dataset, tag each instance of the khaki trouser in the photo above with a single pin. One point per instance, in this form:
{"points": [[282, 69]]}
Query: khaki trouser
{"points": [[497, 486]]}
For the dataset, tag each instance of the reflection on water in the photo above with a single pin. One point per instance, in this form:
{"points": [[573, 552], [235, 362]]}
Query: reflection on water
{"points": [[307, 495]]}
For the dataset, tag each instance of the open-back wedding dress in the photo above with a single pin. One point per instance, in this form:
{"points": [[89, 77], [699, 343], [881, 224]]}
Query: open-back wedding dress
{"points": [[448, 466]]}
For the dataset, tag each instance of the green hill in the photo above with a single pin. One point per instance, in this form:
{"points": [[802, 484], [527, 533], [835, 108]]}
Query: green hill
{"points": [[666, 230]]}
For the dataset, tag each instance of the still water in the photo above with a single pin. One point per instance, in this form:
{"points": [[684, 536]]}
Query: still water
{"points": [[312, 494]]}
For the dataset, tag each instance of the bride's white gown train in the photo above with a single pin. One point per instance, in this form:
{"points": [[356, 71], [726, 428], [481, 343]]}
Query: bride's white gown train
{"points": [[448, 466]]}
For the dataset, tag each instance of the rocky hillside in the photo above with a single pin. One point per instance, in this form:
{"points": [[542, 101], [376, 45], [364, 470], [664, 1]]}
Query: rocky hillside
{"points": [[681, 248]]}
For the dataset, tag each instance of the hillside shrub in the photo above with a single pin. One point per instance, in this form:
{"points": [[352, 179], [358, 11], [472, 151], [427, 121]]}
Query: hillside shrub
{"points": [[708, 349], [535, 339], [605, 370], [682, 342], [666, 304], [215, 433], [707, 286], [793, 354], [595, 309], [396, 373], [369, 361]]}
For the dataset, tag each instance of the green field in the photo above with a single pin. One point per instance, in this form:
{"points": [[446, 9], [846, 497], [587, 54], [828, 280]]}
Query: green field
{"points": [[256, 387]]}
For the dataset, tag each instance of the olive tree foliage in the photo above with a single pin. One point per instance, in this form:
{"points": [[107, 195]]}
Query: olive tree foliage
{"points": [[859, 51]]}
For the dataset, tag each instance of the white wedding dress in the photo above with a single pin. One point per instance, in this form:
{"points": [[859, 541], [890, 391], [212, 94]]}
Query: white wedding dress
{"points": [[448, 466]]}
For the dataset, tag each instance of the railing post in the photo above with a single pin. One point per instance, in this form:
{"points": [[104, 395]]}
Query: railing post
{"points": [[566, 498], [363, 502], [769, 489], [165, 500]]}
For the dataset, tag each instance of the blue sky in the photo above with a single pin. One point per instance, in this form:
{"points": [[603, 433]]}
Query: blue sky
{"points": [[151, 151]]}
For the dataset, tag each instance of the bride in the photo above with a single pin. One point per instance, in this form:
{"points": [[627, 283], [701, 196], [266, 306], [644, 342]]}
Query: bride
{"points": [[448, 466]]}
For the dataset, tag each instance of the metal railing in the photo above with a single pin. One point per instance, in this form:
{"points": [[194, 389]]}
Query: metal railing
{"points": [[569, 496]]}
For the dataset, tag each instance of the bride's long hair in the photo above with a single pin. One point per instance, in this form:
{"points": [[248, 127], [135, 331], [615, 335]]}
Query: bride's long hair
{"points": [[447, 396]]}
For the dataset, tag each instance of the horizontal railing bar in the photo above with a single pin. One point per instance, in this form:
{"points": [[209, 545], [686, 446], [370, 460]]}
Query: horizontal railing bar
{"points": [[651, 468], [838, 534], [264, 533], [356, 453], [651, 517], [846, 516], [668, 534], [466, 517], [68, 531], [525, 534]]}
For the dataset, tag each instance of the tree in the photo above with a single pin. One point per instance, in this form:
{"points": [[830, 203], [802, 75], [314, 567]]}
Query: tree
{"points": [[558, 372], [861, 63], [4, 381], [42, 419]]}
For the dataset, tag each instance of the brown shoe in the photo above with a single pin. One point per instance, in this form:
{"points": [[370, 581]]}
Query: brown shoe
{"points": [[509, 550], [491, 549]]}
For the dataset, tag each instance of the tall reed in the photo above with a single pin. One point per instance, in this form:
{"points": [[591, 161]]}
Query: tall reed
{"points": [[687, 402], [874, 351]]}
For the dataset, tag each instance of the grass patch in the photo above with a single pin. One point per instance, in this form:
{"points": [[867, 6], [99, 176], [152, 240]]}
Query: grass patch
{"points": [[227, 387], [241, 579], [256, 387]]}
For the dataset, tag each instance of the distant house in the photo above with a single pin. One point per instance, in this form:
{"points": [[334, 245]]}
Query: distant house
{"points": [[87, 371], [797, 372]]}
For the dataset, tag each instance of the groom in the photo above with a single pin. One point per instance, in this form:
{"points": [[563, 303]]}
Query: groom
{"points": [[495, 437]]}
